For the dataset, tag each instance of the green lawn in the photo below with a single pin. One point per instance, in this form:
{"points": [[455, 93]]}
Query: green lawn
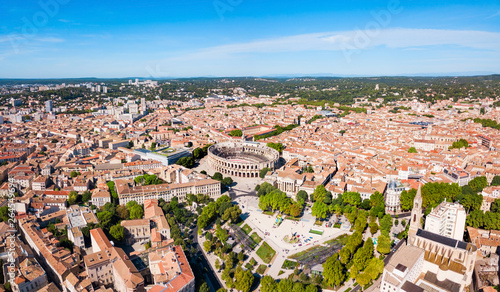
{"points": [[266, 253], [289, 265], [316, 232], [292, 218], [256, 237], [249, 267], [261, 269], [246, 229], [342, 239]]}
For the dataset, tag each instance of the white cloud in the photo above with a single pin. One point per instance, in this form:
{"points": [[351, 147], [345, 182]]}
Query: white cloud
{"points": [[356, 40], [50, 40]]}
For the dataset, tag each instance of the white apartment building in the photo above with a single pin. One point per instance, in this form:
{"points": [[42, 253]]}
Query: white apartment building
{"points": [[447, 219]]}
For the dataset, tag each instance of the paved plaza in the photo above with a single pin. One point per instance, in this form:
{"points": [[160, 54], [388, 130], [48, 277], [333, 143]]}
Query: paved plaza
{"points": [[263, 225]]}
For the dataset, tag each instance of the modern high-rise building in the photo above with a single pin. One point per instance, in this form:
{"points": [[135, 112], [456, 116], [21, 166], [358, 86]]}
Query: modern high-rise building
{"points": [[447, 219], [49, 106], [143, 104]]}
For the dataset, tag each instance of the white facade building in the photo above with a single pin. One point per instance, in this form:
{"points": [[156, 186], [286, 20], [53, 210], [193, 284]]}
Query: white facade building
{"points": [[447, 219]]}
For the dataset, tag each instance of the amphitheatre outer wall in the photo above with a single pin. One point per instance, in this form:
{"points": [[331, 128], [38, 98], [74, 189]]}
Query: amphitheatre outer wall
{"points": [[242, 159]]}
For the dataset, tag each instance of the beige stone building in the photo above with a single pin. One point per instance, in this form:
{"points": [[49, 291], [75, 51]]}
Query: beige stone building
{"points": [[136, 230]]}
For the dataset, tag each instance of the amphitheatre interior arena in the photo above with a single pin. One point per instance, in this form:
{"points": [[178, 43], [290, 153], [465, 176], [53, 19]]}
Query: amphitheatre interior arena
{"points": [[242, 159]]}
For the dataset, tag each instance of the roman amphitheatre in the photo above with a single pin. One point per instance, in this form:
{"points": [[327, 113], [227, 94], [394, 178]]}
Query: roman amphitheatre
{"points": [[241, 159]]}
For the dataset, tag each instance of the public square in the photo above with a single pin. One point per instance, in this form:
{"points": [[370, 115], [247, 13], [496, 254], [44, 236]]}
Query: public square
{"points": [[274, 236]]}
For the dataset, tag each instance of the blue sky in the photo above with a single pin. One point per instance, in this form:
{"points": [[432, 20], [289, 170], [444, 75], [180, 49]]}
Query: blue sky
{"points": [[69, 38]]}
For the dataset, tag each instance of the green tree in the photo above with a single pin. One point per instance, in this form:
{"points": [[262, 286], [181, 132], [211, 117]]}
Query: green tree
{"points": [[73, 198], [495, 181], [478, 183], [472, 201], [352, 198], [86, 196], [407, 198], [198, 153], [243, 279], [320, 210], [285, 285], [264, 171], [277, 146], [334, 272], [227, 181], [302, 196], [204, 287], [295, 209], [136, 212], [309, 169], [207, 245], [221, 234], [4, 213], [218, 176], [73, 174], [475, 219], [373, 227], [117, 232], [236, 133], [345, 255], [412, 150], [459, 144], [319, 193], [384, 243], [377, 199], [386, 223], [495, 206], [268, 284]]}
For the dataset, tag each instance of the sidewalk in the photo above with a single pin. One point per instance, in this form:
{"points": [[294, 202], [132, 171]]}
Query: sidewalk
{"points": [[211, 260]]}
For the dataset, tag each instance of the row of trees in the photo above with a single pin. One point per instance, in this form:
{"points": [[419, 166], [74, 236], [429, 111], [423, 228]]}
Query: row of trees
{"points": [[435, 193], [199, 153], [268, 284], [462, 143], [111, 215], [277, 200], [324, 204], [187, 161], [356, 259], [75, 198], [221, 208], [486, 220], [277, 146], [148, 179], [235, 133], [276, 132], [225, 181], [468, 196]]}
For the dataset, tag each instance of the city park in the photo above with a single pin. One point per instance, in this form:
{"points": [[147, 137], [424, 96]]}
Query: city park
{"points": [[304, 240]]}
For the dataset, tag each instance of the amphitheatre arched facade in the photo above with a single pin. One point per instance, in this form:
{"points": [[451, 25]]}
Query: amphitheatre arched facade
{"points": [[241, 159]]}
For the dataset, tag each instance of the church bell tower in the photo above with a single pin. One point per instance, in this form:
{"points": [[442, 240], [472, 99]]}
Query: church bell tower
{"points": [[416, 216]]}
